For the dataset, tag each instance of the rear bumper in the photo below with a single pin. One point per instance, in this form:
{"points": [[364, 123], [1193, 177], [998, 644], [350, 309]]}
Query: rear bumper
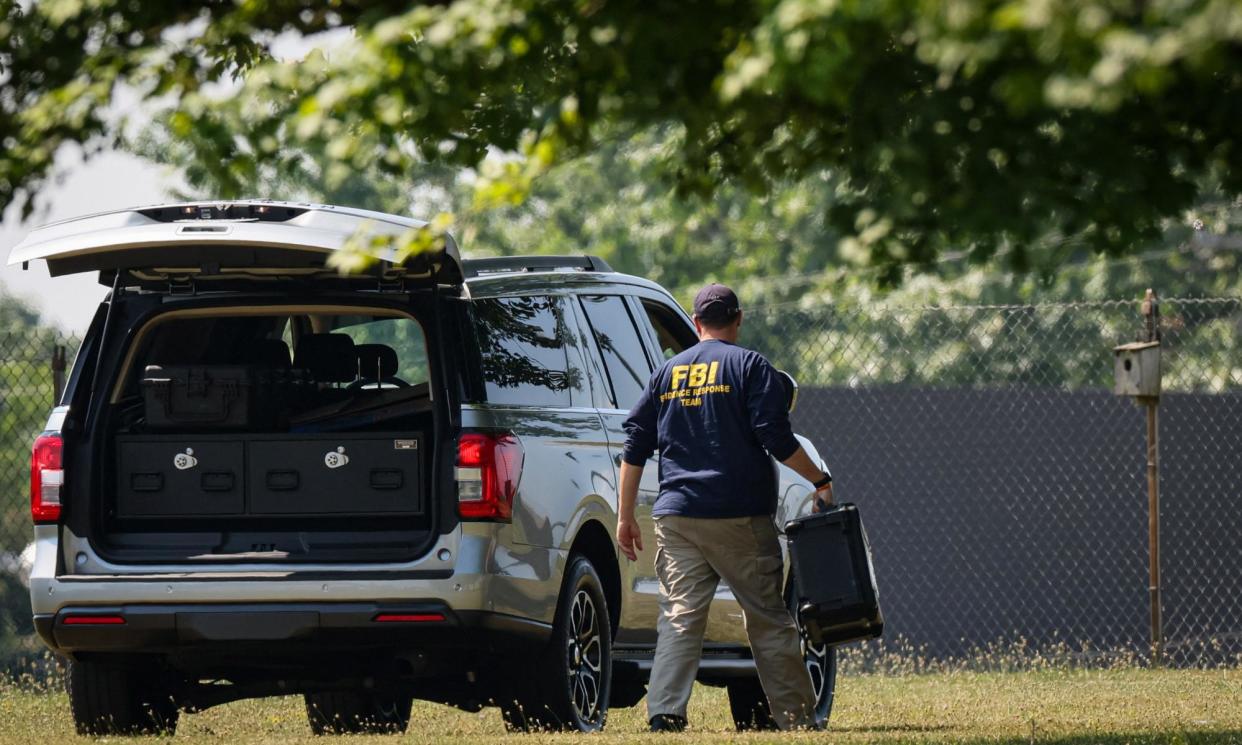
{"points": [[489, 584], [279, 627]]}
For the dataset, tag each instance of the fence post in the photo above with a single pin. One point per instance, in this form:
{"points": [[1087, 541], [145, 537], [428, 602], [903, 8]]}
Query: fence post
{"points": [[1137, 370], [1151, 317], [58, 372]]}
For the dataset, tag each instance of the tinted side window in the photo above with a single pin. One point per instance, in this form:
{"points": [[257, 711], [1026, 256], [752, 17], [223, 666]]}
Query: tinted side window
{"points": [[622, 349], [522, 346], [671, 332]]}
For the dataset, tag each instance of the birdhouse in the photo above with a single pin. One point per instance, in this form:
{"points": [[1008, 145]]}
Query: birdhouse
{"points": [[1137, 367]]}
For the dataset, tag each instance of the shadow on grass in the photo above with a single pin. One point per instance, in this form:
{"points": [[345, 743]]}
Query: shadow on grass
{"points": [[1168, 737], [885, 728]]}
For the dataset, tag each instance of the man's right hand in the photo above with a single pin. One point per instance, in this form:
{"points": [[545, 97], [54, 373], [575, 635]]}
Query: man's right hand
{"points": [[630, 538]]}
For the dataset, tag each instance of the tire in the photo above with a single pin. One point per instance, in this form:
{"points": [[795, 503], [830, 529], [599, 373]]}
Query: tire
{"points": [[569, 685], [749, 705], [357, 712], [114, 699]]}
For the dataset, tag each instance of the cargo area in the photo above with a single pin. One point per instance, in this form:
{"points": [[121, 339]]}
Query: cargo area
{"points": [[268, 434]]}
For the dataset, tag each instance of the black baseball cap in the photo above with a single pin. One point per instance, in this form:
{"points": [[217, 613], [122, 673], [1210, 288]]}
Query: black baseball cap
{"points": [[716, 304]]}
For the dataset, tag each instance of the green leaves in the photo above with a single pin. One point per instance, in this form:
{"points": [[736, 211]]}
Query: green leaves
{"points": [[967, 125]]}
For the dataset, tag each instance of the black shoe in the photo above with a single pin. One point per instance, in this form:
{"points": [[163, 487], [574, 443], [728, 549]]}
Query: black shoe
{"points": [[668, 723]]}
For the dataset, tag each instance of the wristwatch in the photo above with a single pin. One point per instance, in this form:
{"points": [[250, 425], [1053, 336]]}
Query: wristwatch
{"points": [[825, 481]]}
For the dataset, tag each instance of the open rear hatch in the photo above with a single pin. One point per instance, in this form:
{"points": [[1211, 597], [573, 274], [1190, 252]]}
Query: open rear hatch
{"points": [[223, 241], [225, 427]]}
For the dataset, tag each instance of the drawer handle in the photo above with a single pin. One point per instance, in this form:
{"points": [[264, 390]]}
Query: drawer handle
{"points": [[283, 480], [386, 478], [146, 481], [217, 481]]}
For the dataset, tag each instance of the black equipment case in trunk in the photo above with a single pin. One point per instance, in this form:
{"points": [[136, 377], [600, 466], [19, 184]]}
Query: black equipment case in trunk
{"points": [[199, 396], [834, 581]]}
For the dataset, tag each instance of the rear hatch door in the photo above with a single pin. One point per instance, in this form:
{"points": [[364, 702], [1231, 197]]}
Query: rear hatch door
{"points": [[223, 242]]}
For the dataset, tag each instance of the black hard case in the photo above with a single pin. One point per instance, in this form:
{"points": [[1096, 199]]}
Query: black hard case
{"points": [[200, 396], [269, 475], [834, 580]]}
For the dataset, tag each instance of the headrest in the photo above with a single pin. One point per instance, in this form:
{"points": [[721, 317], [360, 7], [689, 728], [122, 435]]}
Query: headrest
{"points": [[329, 358], [272, 353], [372, 357]]}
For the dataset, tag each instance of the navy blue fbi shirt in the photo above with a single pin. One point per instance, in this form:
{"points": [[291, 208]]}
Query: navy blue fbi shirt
{"points": [[715, 412]]}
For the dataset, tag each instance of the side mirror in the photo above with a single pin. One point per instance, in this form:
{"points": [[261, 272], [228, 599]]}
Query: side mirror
{"points": [[791, 390]]}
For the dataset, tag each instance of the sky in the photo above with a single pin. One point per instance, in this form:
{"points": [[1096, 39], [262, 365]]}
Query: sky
{"points": [[111, 180]]}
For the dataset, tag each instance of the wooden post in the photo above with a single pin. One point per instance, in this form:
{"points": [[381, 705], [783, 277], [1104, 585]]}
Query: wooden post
{"points": [[58, 373], [1151, 315]]}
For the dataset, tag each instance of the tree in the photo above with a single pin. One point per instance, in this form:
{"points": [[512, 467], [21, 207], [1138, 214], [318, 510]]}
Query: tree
{"points": [[775, 248], [1023, 129]]}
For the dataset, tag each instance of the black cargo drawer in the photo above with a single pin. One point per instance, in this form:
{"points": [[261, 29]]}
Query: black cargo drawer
{"points": [[172, 476], [335, 474]]}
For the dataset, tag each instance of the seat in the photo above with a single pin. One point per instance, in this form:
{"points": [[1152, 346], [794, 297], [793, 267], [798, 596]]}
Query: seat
{"points": [[271, 354], [327, 358], [376, 362]]}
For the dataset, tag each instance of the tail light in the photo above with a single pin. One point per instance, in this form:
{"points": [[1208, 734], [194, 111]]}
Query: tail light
{"points": [[93, 620], [409, 618], [47, 479], [489, 466]]}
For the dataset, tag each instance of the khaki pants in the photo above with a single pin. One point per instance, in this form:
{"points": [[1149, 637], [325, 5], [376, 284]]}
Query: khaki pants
{"points": [[692, 556]]}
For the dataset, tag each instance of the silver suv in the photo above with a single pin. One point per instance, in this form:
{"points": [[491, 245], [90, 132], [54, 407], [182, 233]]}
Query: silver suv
{"points": [[268, 478]]}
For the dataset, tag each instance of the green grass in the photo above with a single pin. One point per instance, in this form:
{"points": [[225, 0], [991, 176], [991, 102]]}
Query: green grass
{"points": [[1111, 707]]}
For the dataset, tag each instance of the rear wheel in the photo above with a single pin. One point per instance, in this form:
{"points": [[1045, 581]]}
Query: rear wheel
{"points": [[821, 663], [118, 699], [357, 712], [749, 704], [569, 685]]}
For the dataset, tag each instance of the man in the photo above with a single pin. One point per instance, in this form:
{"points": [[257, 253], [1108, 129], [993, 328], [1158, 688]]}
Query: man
{"points": [[715, 412]]}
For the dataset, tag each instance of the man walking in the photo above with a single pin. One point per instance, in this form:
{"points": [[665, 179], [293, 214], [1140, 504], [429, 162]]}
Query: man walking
{"points": [[715, 412]]}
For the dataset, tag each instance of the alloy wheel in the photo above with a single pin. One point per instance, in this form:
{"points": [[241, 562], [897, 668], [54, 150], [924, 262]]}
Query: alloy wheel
{"points": [[584, 654], [816, 659]]}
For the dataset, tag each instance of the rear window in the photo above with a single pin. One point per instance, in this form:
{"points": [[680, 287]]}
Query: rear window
{"points": [[271, 341], [271, 371], [523, 348], [402, 335]]}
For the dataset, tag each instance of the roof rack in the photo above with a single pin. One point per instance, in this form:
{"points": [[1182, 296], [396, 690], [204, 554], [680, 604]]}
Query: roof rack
{"points": [[503, 264]]}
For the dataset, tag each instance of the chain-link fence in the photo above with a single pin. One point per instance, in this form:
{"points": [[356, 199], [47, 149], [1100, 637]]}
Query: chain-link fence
{"points": [[32, 369], [1001, 481], [1003, 484]]}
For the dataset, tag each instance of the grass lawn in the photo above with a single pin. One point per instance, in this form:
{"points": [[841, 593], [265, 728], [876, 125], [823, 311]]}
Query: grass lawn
{"points": [[1111, 707]]}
